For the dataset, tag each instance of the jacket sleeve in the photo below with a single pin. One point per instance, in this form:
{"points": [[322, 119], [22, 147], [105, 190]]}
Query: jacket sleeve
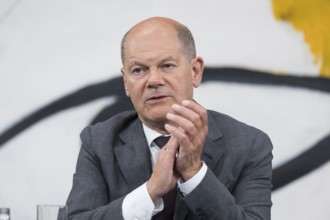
{"points": [[89, 197], [250, 195]]}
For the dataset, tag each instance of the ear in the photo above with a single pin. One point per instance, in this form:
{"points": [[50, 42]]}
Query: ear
{"points": [[122, 70], [197, 71]]}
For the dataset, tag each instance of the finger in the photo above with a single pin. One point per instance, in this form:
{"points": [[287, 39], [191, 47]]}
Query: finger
{"points": [[185, 118], [192, 112], [197, 108], [184, 111], [171, 147], [185, 124], [179, 134], [194, 106]]}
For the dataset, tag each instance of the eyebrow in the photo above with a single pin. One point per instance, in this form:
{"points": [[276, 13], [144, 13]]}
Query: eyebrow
{"points": [[168, 58], [135, 62], [162, 60]]}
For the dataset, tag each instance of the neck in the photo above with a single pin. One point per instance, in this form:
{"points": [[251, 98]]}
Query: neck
{"points": [[158, 126]]}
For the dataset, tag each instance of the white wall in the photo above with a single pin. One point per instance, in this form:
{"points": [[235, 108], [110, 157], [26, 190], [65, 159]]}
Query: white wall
{"points": [[49, 48]]}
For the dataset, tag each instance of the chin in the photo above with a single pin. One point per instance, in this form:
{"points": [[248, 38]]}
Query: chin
{"points": [[155, 117]]}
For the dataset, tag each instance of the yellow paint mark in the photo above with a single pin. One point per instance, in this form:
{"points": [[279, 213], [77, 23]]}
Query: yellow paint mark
{"points": [[312, 17]]}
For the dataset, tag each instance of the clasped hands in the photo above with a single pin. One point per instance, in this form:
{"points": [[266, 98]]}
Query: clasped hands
{"points": [[181, 156]]}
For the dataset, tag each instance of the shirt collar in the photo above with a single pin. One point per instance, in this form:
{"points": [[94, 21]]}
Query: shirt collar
{"points": [[150, 134]]}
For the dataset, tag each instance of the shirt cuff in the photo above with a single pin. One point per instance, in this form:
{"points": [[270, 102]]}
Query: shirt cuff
{"points": [[139, 205], [188, 186]]}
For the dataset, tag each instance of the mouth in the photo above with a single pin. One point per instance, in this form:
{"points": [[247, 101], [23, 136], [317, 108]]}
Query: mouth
{"points": [[157, 99]]}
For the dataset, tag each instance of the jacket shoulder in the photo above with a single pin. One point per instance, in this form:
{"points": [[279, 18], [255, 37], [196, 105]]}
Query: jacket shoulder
{"points": [[119, 120], [108, 131], [229, 125]]}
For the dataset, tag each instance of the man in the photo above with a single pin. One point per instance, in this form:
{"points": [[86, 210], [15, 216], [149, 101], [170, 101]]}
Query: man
{"points": [[212, 167]]}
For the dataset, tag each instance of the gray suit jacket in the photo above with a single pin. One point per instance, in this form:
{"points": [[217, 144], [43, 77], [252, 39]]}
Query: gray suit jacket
{"points": [[115, 159]]}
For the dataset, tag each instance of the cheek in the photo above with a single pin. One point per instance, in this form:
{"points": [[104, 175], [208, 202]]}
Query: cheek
{"points": [[131, 86], [135, 93], [182, 90]]}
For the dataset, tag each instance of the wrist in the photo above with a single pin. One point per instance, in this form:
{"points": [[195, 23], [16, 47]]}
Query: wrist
{"points": [[152, 191], [189, 173]]}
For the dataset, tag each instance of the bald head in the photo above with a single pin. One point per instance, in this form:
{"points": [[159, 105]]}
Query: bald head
{"points": [[158, 25]]}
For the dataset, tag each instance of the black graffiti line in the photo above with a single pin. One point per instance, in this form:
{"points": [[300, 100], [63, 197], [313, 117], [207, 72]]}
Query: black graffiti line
{"points": [[79, 97], [303, 164], [237, 75], [115, 87], [283, 175]]}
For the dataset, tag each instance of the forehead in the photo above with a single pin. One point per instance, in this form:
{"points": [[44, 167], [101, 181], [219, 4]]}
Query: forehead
{"points": [[152, 57], [152, 37]]}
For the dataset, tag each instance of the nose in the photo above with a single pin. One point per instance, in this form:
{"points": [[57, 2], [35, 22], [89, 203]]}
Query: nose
{"points": [[155, 79]]}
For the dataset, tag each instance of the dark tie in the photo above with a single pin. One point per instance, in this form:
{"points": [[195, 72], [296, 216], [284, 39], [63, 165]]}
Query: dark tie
{"points": [[169, 198], [161, 141]]}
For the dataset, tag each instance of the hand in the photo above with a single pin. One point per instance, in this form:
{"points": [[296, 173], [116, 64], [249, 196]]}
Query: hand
{"points": [[188, 125], [164, 177]]}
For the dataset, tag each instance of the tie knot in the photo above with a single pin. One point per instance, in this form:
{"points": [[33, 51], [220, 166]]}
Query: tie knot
{"points": [[161, 141]]}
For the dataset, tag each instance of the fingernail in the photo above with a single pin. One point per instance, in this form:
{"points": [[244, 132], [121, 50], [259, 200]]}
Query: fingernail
{"points": [[169, 115], [185, 102], [175, 106]]}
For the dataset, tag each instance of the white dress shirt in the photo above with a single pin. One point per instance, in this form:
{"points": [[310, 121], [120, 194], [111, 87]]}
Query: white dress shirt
{"points": [[138, 204]]}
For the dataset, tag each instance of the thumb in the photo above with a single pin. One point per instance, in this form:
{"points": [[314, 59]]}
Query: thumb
{"points": [[172, 146]]}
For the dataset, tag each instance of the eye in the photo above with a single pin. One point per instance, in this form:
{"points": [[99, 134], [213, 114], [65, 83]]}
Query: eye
{"points": [[138, 70], [168, 65]]}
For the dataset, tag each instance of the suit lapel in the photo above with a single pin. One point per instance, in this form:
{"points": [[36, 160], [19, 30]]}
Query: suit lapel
{"points": [[213, 146], [212, 153], [131, 156]]}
